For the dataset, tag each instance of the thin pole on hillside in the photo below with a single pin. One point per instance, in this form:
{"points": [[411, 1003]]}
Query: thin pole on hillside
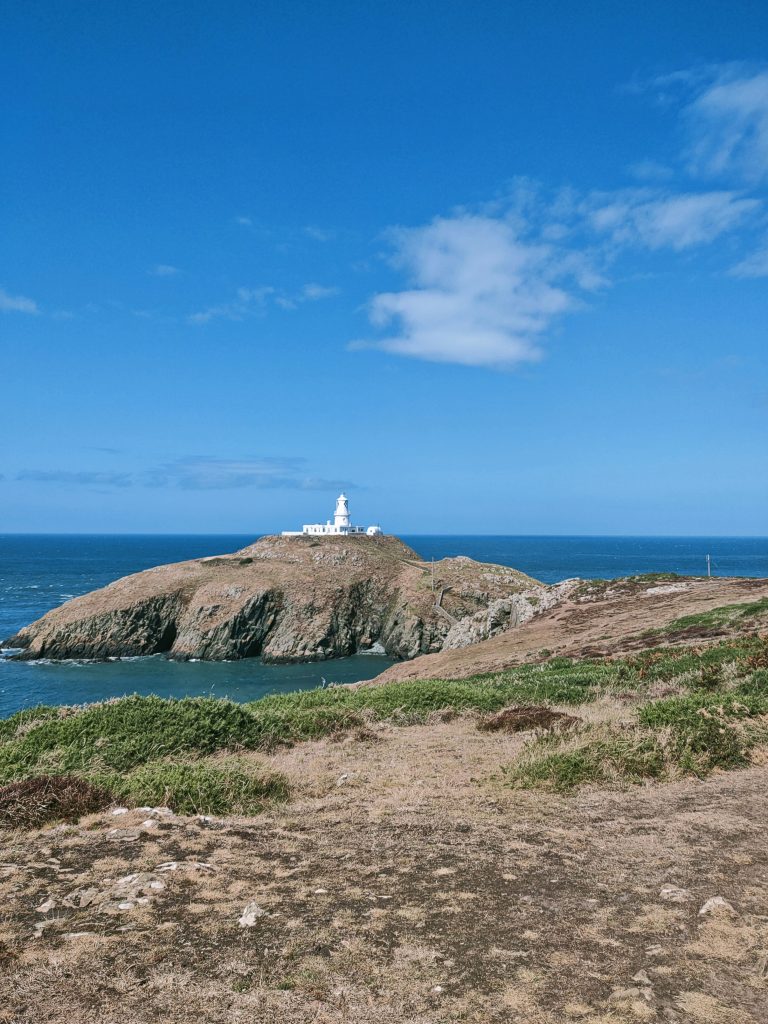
{"points": [[709, 565]]}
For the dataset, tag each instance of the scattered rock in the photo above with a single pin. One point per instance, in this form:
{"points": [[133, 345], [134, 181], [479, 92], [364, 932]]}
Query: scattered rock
{"points": [[47, 906], [717, 905], [673, 894], [629, 995], [641, 978], [251, 914]]}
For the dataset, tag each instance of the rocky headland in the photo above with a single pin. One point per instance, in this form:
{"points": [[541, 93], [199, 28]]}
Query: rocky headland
{"points": [[290, 599]]}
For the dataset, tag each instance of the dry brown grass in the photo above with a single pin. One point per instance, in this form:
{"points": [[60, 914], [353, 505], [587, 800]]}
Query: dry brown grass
{"points": [[402, 886], [46, 798]]}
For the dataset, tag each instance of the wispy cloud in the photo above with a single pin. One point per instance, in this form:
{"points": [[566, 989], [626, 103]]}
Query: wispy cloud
{"points": [[728, 125], [675, 221], [755, 265], [164, 270], [319, 234], [481, 294], [16, 303], [651, 170], [312, 292], [204, 473], [252, 301], [198, 473], [86, 478], [243, 221]]}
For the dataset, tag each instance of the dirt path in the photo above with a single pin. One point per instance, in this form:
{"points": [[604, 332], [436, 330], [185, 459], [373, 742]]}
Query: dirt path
{"points": [[611, 623], [404, 883]]}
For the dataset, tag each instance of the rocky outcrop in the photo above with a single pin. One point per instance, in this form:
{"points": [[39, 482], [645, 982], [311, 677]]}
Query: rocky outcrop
{"points": [[505, 613], [288, 599]]}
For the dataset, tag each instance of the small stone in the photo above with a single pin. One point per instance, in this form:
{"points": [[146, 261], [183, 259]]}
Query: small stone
{"points": [[87, 896], [251, 914], [120, 810], [342, 779], [620, 995], [156, 884], [438, 989], [673, 894], [717, 905], [149, 823], [641, 978], [320, 892], [46, 906], [127, 905]]}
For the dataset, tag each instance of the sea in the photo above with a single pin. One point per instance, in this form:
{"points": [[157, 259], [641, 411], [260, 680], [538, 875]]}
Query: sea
{"points": [[39, 572]]}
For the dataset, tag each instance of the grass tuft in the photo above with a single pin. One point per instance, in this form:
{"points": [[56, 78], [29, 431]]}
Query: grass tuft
{"points": [[199, 787]]}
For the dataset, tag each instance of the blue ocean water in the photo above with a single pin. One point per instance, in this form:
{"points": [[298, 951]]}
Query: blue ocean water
{"points": [[38, 572]]}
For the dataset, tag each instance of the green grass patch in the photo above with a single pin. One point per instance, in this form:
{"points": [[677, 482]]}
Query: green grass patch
{"points": [[152, 750], [629, 755], [690, 734], [715, 619], [122, 734], [198, 787]]}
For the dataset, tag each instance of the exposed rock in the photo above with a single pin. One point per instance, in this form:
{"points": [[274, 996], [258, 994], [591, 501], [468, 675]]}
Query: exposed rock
{"points": [[290, 599], [505, 613], [251, 914], [673, 894], [717, 905]]}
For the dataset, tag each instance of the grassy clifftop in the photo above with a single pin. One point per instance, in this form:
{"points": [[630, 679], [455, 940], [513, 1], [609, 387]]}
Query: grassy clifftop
{"points": [[690, 711]]}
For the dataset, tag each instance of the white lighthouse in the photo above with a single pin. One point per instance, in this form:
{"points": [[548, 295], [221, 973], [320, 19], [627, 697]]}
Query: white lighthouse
{"points": [[340, 527], [341, 515]]}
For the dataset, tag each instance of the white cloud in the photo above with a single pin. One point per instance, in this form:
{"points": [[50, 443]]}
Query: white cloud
{"points": [[728, 122], [481, 295], [16, 303], [164, 270], [755, 265], [313, 291], [676, 221], [245, 222]]}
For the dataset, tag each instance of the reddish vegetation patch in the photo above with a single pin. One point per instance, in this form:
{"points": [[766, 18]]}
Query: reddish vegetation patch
{"points": [[34, 802], [527, 716]]}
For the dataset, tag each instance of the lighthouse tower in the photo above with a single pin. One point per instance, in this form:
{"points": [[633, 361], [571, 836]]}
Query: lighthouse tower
{"points": [[341, 515], [341, 526]]}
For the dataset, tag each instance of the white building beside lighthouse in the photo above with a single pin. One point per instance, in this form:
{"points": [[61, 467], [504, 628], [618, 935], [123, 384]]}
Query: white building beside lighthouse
{"points": [[340, 527]]}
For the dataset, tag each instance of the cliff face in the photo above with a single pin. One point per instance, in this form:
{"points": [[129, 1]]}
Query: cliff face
{"points": [[285, 599]]}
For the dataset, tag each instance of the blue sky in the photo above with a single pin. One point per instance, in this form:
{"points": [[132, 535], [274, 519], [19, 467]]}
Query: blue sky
{"points": [[493, 267]]}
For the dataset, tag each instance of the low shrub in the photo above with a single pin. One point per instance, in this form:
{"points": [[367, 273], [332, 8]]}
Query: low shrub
{"points": [[31, 803], [200, 787], [120, 735], [627, 755]]}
